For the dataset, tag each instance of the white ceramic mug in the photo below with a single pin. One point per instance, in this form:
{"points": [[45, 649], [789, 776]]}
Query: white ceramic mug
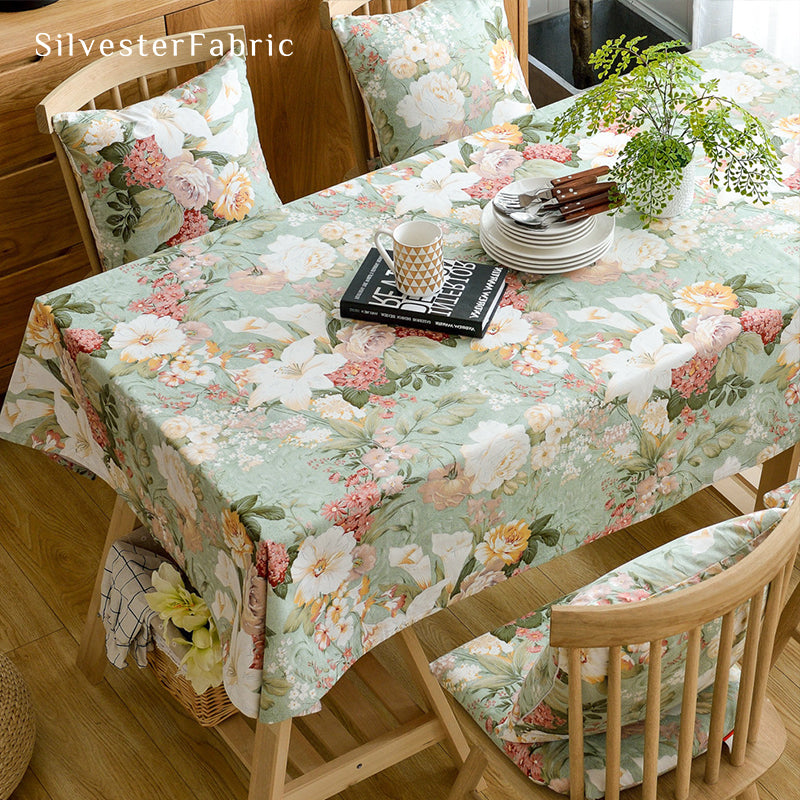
{"points": [[418, 263]]}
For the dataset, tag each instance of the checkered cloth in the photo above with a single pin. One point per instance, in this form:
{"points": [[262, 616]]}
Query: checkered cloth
{"points": [[123, 605]]}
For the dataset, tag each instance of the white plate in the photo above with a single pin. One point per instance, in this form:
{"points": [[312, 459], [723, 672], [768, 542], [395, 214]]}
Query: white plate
{"points": [[515, 251], [521, 264], [600, 232]]}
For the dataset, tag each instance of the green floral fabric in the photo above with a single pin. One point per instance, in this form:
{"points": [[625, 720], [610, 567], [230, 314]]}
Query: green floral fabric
{"points": [[171, 168], [434, 73], [547, 763], [521, 672], [325, 483], [783, 496]]}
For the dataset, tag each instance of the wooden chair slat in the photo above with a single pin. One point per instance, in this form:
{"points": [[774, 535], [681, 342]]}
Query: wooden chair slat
{"points": [[652, 723], [747, 681], [144, 89], [172, 74], [775, 600], [575, 722], [720, 699], [614, 730], [116, 97], [91, 104], [688, 715]]}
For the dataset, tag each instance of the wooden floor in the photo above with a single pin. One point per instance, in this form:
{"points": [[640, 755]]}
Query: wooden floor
{"points": [[126, 739]]}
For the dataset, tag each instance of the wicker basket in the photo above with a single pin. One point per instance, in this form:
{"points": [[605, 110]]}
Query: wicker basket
{"points": [[209, 708], [17, 727]]}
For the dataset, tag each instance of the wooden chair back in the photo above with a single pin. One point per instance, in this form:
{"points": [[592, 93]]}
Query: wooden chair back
{"points": [[760, 579], [358, 120], [120, 79], [361, 131]]}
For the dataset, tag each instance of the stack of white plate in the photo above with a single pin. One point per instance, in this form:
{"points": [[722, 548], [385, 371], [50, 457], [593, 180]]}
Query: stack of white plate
{"points": [[563, 247]]}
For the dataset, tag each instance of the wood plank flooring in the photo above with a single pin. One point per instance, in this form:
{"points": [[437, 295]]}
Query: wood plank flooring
{"points": [[126, 738]]}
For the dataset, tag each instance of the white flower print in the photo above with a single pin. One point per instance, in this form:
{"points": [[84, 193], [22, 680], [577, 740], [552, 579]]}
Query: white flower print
{"points": [[507, 327], [790, 339], [646, 366], [498, 453], [322, 564], [101, 133], [147, 336], [603, 148], [291, 378], [434, 102], [169, 122], [299, 258], [434, 191]]}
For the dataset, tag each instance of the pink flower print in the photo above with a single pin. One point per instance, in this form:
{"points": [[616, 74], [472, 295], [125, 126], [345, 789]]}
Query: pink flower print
{"points": [[277, 562], [793, 181], [693, 377], [402, 332], [81, 340], [525, 758], [766, 322], [194, 224], [487, 188], [553, 152], [146, 163], [102, 172], [360, 374]]}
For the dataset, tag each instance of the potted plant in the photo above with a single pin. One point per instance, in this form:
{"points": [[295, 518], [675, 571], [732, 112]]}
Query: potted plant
{"points": [[669, 111]]}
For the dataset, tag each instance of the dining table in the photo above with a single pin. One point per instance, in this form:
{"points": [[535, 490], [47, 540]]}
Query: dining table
{"points": [[325, 483]]}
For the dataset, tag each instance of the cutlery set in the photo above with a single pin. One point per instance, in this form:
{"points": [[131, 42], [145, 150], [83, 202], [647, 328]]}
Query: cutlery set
{"points": [[544, 226]]}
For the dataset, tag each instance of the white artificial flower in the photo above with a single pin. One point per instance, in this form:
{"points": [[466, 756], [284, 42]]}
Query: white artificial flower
{"points": [[434, 191], [291, 378], [146, 336], [496, 455], [648, 365]]}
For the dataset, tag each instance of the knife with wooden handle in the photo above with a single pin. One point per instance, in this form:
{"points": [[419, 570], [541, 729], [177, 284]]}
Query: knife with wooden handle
{"points": [[585, 176]]}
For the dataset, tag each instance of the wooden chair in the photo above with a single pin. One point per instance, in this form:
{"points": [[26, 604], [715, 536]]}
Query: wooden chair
{"points": [[118, 80], [369, 720], [361, 131], [759, 734]]}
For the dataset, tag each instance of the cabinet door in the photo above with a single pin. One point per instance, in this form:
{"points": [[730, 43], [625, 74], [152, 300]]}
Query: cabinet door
{"points": [[299, 109]]}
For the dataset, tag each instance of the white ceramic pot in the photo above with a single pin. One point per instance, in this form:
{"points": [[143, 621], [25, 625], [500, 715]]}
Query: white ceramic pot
{"points": [[683, 196]]}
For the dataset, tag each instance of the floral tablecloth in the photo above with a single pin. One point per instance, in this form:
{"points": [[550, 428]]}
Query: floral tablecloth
{"points": [[325, 483]]}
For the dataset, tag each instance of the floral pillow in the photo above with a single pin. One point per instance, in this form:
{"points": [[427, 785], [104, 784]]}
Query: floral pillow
{"points": [[783, 496], [527, 681], [440, 71], [170, 168]]}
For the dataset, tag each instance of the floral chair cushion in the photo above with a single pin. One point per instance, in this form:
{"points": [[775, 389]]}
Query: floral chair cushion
{"points": [[170, 168], [783, 496], [435, 73], [525, 681]]}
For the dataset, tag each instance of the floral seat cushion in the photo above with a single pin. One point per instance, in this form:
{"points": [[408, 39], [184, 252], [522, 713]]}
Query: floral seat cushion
{"points": [[515, 672], [171, 168], [783, 495], [434, 73]]}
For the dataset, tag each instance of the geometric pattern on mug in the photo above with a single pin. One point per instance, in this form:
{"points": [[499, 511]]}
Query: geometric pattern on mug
{"points": [[420, 270]]}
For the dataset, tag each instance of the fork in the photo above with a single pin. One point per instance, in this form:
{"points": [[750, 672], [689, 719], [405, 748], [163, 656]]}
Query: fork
{"points": [[564, 188], [567, 212]]}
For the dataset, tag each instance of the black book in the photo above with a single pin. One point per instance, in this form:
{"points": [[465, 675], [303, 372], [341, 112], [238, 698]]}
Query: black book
{"points": [[464, 306]]}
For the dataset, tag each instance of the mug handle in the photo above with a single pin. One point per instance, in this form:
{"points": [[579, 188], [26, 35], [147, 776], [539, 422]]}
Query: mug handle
{"points": [[384, 255]]}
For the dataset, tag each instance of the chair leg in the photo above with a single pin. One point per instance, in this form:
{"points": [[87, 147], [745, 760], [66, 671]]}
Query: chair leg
{"points": [[776, 471], [750, 793], [92, 650], [270, 756], [469, 775]]}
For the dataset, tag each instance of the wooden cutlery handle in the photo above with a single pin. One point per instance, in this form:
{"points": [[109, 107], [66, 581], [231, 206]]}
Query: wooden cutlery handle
{"points": [[590, 211], [587, 202], [572, 192], [585, 176]]}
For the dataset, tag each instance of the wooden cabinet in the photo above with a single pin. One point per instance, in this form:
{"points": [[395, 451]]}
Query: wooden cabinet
{"points": [[301, 120]]}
